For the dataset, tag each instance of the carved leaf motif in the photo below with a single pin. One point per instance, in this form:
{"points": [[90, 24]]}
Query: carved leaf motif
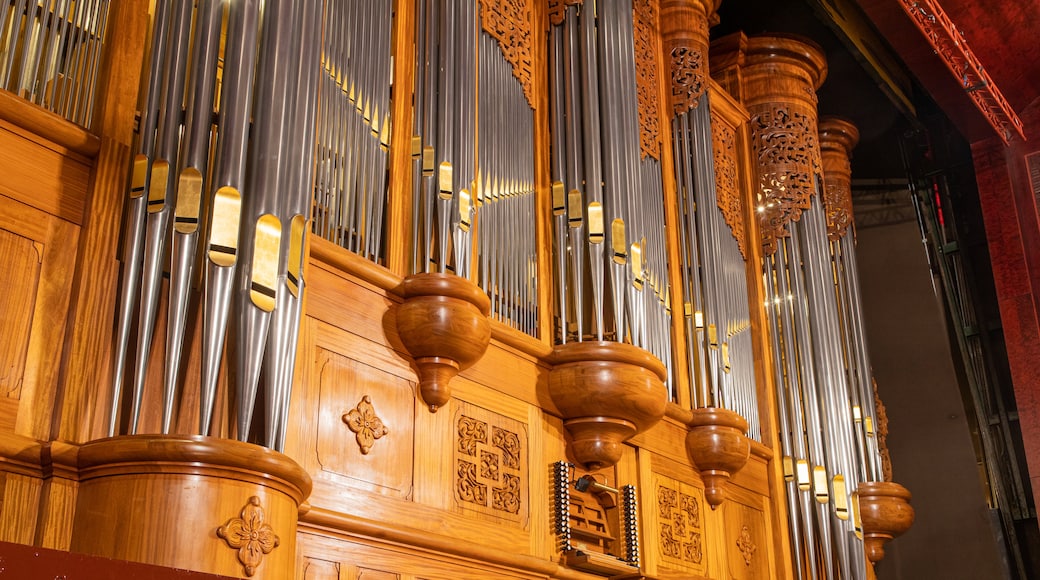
{"points": [[645, 37], [469, 489], [688, 84], [727, 194], [250, 535], [507, 498], [509, 22], [471, 432], [509, 443], [680, 522], [746, 545], [784, 138]]}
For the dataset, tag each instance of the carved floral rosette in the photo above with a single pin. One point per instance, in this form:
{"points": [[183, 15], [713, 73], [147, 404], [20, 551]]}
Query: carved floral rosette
{"points": [[837, 138], [229, 508], [684, 39], [781, 75]]}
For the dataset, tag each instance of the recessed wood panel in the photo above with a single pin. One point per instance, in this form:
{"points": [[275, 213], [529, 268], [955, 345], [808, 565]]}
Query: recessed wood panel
{"points": [[365, 424], [747, 548], [316, 569], [21, 262]]}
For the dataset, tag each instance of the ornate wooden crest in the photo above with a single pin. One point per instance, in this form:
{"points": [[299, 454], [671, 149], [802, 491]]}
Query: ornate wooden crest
{"points": [[509, 22]]}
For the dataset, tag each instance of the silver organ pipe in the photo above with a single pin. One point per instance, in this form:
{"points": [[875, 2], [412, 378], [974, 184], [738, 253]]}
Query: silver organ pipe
{"points": [[607, 190], [715, 293], [188, 174]]}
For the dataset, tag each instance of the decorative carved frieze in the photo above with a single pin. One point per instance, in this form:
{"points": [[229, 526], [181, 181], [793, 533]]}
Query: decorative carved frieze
{"points": [[684, 36], [727, 192], [953, 49], [837, 138], [509, 22], [490, 463], [881, 432], [368, 427], [250, 535], [784, 138], [644, 14]]}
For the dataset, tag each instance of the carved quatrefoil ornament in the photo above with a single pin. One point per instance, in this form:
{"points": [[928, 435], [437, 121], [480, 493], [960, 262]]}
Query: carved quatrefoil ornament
{"points": [[368, 427]]}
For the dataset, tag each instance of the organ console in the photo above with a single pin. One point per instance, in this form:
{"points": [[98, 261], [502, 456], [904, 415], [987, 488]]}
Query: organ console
{"points": [[516, 251]]}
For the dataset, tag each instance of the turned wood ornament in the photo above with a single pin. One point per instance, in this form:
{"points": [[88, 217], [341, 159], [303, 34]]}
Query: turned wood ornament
{"points": [[607, 392], [186, 501], [885, 513], [837, 138], [443, 322], [719, 448]]}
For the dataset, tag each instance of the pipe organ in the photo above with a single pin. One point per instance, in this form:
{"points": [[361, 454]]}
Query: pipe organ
{"points": [[452, 289]]}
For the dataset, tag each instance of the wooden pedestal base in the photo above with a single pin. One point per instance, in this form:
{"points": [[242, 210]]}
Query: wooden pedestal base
{"points": [[718, 447], [198, 503], [443, 322], [606, 392], [885, 512]]}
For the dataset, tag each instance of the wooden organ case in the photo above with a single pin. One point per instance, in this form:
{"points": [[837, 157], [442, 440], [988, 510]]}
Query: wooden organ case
{"points": [[424, 289]]}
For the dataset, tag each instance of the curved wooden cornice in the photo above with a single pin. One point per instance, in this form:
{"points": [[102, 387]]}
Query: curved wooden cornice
{"points": [[684, 40], [837, 138], [780, 75]]}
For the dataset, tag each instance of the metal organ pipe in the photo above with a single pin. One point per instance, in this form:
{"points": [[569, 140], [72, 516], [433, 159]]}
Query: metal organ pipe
{"points": [[275, 197]]}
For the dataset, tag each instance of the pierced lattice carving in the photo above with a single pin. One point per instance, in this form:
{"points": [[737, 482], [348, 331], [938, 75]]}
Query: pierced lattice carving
{"points": [[644, 32], [680, 525], [509, 22], [881, 432], [727, 192], [784, 138], [489, 466], [688, 77]]}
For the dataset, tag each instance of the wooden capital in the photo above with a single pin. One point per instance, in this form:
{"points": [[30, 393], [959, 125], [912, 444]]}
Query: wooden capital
{"points": [[718, 447], [607, 392], [885, 512], [443, 322]]}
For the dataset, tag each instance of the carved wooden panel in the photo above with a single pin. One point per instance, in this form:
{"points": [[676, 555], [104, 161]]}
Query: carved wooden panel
{"points": [[645, 34], [784, 138], [509, 22], [747, 549], [727, 190], [490, 463], [383, 463], [679, 522], [684, 34]]}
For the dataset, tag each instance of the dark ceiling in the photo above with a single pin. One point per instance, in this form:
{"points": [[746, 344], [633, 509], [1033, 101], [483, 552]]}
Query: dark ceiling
{"points": [[1004, 38], [849, 90]]}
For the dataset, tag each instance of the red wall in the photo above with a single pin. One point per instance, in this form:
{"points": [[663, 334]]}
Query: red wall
{"points": [[1013, 231]]}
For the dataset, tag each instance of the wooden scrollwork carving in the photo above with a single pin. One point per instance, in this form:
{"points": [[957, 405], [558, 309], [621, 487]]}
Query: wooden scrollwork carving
{"points": [[644, 15], [837, 138], [727, 193], [558, 10], [684, 37], [509, 22]]}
